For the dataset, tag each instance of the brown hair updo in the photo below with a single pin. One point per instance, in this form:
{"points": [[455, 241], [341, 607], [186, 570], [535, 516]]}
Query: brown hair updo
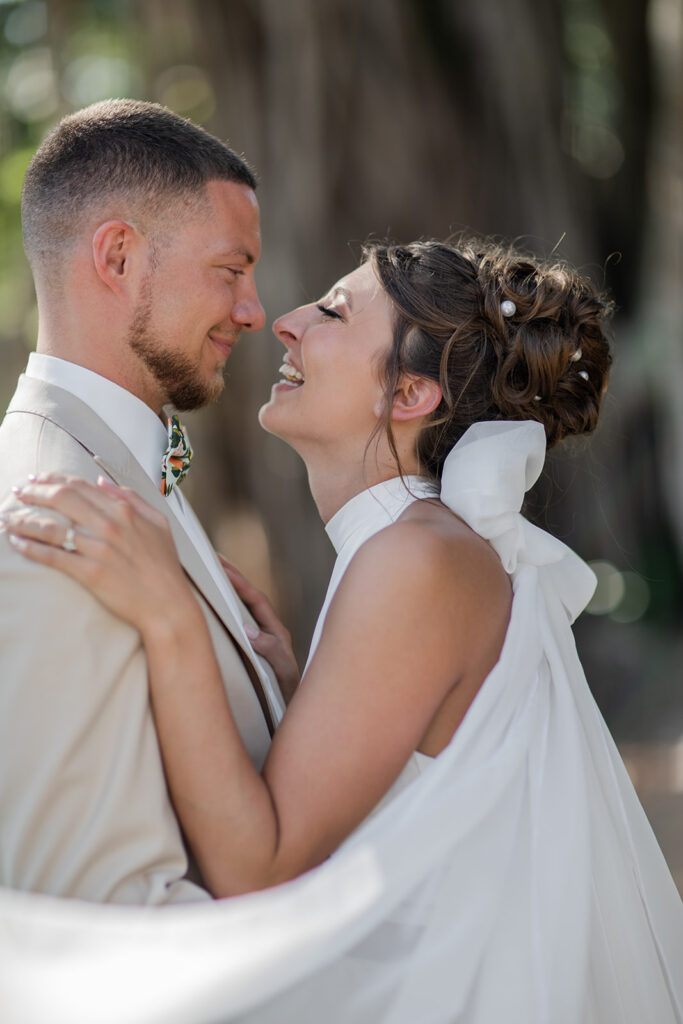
{"points": [[548, 361]]}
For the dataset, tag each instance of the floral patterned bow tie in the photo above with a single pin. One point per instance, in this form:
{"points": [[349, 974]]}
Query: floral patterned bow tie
{"points": [[177, 457]]}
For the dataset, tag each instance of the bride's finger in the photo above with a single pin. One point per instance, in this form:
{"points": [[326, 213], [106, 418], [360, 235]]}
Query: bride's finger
{"points": [[244, 588], [49, 531], [50, 478], [113, 492], [132, 498], [79, 567], [231, 569], [257, 602], [79, 501]]}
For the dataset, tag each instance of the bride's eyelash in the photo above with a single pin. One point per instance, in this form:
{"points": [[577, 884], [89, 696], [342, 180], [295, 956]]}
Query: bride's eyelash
{"points": [[326, 311]]}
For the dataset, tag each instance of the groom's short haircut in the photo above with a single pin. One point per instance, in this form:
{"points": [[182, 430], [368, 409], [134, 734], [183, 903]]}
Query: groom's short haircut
{"points": [[117, 150]]}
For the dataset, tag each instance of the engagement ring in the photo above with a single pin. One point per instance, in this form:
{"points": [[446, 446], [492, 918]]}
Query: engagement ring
{"points": [[69, 542]]}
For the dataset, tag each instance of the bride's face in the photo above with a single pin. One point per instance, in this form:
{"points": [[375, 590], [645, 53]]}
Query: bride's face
{"points": [[331, 393]]}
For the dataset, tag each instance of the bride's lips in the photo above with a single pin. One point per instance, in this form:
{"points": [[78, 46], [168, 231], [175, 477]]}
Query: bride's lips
{"points": [[222, 344], [284, 385]]}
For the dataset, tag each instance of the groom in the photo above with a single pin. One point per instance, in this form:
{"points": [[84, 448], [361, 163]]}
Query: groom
{"points": [[142, 232]]}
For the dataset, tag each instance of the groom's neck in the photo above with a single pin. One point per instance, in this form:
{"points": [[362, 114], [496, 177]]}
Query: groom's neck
{"points": [[96, 349]]}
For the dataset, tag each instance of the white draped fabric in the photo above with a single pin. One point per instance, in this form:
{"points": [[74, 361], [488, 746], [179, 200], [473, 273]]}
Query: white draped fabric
{"points": [[516, 879]]}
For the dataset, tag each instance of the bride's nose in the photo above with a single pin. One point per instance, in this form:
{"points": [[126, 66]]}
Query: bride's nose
{"points": [[289, 327]]}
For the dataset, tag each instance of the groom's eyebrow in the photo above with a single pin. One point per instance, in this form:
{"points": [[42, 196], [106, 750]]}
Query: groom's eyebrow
{"points": [[239, 253]]}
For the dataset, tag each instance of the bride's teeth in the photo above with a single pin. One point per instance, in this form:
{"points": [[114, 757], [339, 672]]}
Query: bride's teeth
{"points": [[291, 374]]}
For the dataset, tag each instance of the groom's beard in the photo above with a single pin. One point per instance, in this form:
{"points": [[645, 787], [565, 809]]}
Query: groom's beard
{"points": [[177, 374]]}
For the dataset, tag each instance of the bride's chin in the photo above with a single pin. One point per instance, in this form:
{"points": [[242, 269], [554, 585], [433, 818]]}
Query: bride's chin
{"points": [[263, 417], [271, 422]]}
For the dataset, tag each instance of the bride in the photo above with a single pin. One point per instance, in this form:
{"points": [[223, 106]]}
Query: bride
{"points": [[443, 741]]}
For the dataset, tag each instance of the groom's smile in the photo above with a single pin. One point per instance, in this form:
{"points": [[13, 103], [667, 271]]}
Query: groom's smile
{"points": [[223, 344]]}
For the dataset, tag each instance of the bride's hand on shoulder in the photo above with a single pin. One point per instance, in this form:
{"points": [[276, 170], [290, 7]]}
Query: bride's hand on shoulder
{"points": [[117, 546], [269, 638]]}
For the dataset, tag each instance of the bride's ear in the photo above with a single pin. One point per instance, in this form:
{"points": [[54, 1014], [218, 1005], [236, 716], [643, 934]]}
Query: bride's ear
{"points": [[415, 397]]}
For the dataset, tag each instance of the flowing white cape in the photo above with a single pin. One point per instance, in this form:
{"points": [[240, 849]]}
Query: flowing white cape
{"points": [[516, 880]]}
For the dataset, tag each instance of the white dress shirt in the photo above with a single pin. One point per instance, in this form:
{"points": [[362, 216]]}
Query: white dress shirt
{"points": [[144, 433]]}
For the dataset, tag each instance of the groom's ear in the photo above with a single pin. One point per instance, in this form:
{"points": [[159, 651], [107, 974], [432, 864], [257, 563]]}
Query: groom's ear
{"points": [[415, 397], [113, 244]]}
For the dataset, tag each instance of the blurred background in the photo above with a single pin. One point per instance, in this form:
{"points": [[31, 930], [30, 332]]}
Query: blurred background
{"points": [[556, 122]]}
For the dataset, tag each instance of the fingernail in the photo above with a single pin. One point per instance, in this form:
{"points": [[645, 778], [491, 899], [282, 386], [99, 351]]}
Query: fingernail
{"points": [[100, 480], [251, 631], [16, 542], [16, 489], [32, 478]]}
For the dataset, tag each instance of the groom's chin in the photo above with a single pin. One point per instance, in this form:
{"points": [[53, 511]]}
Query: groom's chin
{"points": [[193, 395]]}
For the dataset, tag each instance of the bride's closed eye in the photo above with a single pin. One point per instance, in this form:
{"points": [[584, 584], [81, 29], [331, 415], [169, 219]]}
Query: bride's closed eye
{"points": [[327, 311]]}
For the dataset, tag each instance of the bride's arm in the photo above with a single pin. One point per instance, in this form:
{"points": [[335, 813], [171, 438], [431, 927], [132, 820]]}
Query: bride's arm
{"points": [[394, 645]]}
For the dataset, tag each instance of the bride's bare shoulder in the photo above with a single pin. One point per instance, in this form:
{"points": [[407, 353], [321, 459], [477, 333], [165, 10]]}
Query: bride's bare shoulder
{"points": [[432, 551], [433, 532]]}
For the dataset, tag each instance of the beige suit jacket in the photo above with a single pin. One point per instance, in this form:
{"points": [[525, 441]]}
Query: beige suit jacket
{"points": [[84, 809]]}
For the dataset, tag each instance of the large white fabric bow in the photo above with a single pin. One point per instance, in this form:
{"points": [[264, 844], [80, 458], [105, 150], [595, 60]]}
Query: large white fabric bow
{"points": [[484, 481]]}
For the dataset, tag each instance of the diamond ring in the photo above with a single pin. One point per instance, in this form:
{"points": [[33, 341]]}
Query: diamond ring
{"points": [[69, 542]]}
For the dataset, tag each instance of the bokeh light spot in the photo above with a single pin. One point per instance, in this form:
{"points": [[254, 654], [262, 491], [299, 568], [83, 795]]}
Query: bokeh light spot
{"points": [[598, 150], [609, 591], [635, 601], [32, 85], [94, 77], [12, 171], [587, 44], [186, 90], [26, 24], [624, 596]]}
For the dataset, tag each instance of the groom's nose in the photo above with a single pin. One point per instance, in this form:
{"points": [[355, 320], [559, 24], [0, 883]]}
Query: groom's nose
{"points": [[248, 311]]}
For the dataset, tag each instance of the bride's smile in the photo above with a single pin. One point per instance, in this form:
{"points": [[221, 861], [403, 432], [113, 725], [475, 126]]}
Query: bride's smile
{"points": [[291, 374]]}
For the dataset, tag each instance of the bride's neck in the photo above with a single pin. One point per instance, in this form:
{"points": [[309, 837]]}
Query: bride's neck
{"points": [[333, 485]]}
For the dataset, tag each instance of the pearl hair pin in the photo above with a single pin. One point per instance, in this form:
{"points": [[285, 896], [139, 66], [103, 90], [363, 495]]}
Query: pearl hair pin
{"points": [[508, 308], [582, 373], [575, 356]]}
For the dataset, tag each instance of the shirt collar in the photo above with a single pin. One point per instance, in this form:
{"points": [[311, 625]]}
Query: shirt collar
{"points": [[137, 426]]}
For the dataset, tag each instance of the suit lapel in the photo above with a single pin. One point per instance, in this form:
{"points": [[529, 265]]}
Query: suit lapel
{"points": [[133, 475], [117, 461]]}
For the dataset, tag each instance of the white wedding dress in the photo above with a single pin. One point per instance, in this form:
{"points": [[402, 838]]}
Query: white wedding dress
{"points": [[513, 878]]}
